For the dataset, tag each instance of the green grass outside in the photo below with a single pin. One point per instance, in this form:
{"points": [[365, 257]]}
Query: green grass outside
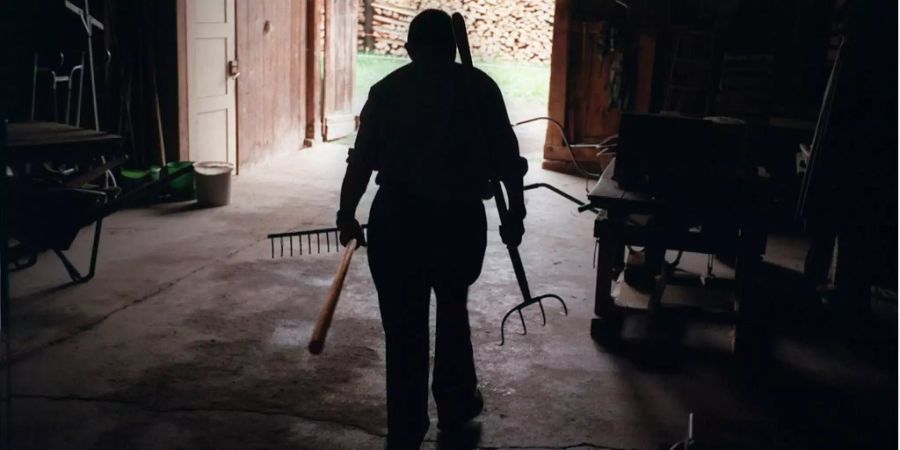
{"points": [[522, 84]]}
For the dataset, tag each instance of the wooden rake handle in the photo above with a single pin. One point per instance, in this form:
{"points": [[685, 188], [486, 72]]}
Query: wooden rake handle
{"points": [[317, 341]]}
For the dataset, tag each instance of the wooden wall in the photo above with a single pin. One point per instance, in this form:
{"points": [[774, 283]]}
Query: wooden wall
{"points": [[580, 81], [271, 38]]}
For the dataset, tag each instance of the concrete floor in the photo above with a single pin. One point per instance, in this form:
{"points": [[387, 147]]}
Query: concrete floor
{"points": [[191, 336]]}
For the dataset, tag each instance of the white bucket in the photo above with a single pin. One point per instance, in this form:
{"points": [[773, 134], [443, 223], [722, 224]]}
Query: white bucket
{"points": [[213, 182]]}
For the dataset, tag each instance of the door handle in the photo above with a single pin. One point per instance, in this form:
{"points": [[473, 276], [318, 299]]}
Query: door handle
{"points": [[233, 70]]}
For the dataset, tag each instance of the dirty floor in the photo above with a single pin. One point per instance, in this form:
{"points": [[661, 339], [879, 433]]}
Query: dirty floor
{"points": [[192, 336]]}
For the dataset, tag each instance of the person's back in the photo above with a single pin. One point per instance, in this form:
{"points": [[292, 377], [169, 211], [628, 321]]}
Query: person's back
{"points": [[436, 134], [420, 130]]}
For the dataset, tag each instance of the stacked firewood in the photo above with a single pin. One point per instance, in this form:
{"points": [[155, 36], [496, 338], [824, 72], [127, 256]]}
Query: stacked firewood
{"points": [[517, 30]]}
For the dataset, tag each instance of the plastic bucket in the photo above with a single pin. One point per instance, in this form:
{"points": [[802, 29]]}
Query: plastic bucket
{"points": [[154, 172], [133, 178], [213, 182], [182, 186]]}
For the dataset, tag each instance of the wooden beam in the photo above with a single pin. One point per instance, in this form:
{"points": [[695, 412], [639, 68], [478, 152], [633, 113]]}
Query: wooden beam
{"points": [[298, 69], [181, 25], [313, 80], [368, 14], [328, 91], [646, 56], [559, 61]]}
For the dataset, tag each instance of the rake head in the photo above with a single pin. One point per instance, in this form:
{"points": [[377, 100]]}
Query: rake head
{"points": [[327, 239]]}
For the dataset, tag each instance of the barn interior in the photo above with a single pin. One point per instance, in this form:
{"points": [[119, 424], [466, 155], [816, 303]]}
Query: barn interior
{"points": [[711, 199]]}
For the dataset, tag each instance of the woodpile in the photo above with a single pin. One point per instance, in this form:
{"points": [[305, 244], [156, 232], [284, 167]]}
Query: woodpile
{"points": [[502, 30]]}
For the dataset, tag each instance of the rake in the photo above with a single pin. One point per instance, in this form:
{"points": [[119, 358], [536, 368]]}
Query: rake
{"points": [[323, 322], [315, 240]]}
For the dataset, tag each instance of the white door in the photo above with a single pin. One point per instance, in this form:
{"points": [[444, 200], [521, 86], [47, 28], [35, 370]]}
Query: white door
{"points": [[211, 73]]}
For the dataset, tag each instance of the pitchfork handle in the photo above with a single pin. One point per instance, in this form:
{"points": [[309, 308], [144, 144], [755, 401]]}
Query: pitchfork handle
{"points": [[317, 341], [520, 271]]}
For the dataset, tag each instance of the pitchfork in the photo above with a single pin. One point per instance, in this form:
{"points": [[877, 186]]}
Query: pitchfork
{"points": [[465, 56]]}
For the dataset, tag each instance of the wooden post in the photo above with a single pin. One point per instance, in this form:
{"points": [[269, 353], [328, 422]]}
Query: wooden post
{"points": [[181, 24], [313, 79], [326, 100], [368, 27], [559, 61], [646, 56]]}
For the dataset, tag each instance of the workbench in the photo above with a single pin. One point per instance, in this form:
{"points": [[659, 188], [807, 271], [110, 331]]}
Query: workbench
{"points": [[630, 217]]}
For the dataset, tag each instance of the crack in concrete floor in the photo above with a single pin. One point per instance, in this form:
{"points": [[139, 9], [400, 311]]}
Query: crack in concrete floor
{"points": [[274, 413], [197, 409], [15, 358]]}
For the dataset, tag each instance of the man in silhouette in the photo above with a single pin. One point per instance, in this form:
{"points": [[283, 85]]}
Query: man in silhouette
{"points": [[427, 227]]}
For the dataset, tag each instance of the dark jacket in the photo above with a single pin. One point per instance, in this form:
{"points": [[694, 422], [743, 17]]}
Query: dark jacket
{"points": [[417, 130]]}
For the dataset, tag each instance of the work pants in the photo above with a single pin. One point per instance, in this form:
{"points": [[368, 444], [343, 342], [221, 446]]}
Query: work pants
{"points": [[415, 246]]}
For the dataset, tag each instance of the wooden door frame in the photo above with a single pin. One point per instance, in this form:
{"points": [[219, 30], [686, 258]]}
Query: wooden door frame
{"points": [[181, 44], [556, 156], [314, 10], [183, 117]]}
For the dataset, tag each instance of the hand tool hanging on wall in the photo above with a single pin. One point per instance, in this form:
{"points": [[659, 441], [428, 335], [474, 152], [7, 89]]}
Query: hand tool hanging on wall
{"points": [[465, 55], [89, 22]]}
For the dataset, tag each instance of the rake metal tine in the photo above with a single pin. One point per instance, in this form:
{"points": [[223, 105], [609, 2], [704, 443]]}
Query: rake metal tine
{"points": [[300, 241], [272, 241], [309, 244], [281, 240], [291, 241], [318, 244], [328, 242]]}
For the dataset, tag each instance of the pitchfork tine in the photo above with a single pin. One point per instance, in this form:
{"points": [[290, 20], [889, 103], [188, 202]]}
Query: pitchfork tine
{"points": [[543, 314]]}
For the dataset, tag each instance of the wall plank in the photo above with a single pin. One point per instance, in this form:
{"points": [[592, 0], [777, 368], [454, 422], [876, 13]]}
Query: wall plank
{"points": [[270, 91]]}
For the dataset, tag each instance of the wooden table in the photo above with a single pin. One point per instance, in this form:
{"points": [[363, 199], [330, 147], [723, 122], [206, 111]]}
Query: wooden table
{"points": [[47, 141], [616, 227], [39, 142]]}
